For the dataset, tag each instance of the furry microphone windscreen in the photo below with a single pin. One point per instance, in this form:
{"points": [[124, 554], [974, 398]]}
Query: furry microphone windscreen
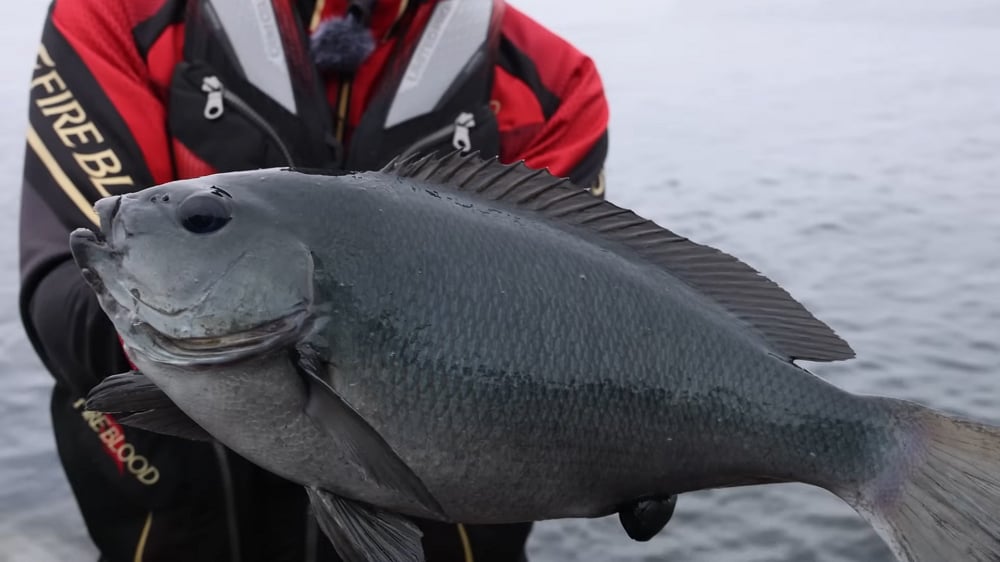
{"points": [[341, 44]]}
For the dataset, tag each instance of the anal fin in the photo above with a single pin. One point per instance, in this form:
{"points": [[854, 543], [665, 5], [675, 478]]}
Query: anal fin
{"points": [[361, 533]]}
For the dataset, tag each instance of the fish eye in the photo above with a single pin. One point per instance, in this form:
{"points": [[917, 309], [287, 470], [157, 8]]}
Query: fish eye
{"points": [[202, 213]]}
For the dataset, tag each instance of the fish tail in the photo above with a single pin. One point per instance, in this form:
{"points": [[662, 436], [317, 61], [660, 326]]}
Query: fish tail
{"points": [[939, 497]]}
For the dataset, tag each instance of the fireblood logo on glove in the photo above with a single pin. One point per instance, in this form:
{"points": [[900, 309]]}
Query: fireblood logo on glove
{"points": [[120, 450]]}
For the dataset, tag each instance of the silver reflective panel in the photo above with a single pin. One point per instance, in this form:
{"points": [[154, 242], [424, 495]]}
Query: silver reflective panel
{"points": [[456, 30], [253, 33]]}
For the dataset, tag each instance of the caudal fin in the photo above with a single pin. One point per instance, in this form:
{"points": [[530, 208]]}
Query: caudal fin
{"points": [[942, 502]]}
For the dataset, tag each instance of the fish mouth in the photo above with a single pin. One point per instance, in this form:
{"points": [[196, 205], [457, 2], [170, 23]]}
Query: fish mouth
{"points": [[226, 348], [83, 239], [106, 210], [89, 248]]}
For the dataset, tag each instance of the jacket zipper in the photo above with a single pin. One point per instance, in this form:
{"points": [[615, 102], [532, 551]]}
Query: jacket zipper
{"points": [[459, 132], [460, 139], [215, 107]]}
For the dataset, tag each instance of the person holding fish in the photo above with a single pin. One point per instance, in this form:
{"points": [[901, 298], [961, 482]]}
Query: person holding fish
{"points": [[129, 94]]}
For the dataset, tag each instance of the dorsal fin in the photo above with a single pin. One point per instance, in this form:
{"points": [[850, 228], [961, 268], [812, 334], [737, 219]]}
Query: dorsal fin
{"points": [[782, 321]]}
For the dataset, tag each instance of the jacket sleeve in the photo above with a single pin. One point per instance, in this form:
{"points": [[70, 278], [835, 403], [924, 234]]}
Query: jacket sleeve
{"points": [[94, 127], [572, 137]]}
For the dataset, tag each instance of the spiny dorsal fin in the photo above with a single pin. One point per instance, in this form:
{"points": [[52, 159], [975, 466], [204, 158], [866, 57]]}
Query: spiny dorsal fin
{"points": [[740, 289]]}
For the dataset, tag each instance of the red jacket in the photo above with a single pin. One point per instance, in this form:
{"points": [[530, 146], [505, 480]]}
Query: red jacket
{"points": [[110, 112]]}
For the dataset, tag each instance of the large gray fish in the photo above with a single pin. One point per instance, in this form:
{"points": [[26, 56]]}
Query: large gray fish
{"points": [[473, 342]]}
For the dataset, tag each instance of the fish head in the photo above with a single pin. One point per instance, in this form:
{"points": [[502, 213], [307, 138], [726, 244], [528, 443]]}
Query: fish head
{"points": [[198, 271]]}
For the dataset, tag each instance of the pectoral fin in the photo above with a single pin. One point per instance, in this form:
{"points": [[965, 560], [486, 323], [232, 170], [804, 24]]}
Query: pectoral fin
{"points": [[363, 534], [643, 519], [167, 421], [352, 433], [141, 404], [127, 392]]}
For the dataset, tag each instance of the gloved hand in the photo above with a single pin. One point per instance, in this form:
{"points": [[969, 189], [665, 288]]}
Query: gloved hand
{"points": [[643, 519]]}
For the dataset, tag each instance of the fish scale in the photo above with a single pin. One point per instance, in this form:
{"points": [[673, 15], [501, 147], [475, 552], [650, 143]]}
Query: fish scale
{"points": [[537, 387]]}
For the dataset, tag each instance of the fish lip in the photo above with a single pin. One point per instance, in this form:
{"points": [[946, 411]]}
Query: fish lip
{"points": [[228, 348], [81, 240], [84, 238], [107, 208], [88, 247]]}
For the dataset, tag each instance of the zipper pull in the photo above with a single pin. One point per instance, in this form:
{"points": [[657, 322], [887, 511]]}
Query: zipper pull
{"points": [[213, 106], [463, 123]]}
